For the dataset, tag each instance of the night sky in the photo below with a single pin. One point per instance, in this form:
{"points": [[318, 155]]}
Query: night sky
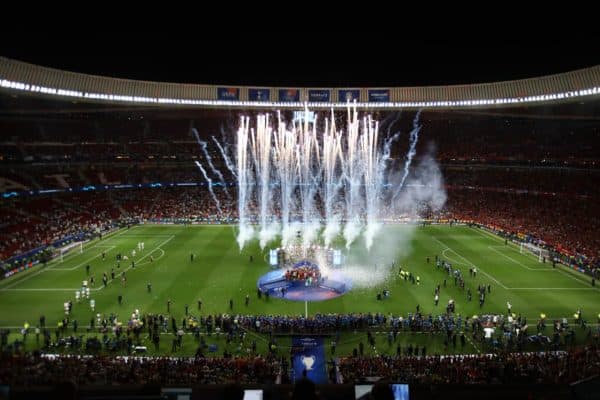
{"points": [[318, 60]]}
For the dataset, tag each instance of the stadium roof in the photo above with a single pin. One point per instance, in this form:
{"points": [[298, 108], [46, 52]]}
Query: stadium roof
{"points": [[305, 60], [225, 74]]}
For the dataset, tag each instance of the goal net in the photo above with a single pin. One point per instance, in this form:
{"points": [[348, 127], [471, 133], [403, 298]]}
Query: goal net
{"points": [[71, 246], [538, 251]]}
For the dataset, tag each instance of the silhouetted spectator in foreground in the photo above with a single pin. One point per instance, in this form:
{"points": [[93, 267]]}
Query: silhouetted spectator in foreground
{"points": [[382, 391], [233, 392], [304, 389], [66, 390]]}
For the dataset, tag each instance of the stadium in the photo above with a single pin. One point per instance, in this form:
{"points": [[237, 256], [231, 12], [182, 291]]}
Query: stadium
{"points": [[170, 239]]}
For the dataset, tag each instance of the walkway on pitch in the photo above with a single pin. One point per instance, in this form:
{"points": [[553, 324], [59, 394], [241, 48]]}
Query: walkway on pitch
{"points": [[308, 353]]}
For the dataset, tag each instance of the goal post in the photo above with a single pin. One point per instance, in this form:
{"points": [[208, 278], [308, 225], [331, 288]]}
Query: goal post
{"points": [[65, 249], [538, 251]]}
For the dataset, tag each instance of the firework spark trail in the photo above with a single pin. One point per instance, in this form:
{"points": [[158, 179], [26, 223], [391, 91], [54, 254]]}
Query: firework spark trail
{"points": [[244, 182], [261, 150], [215, 171], [371, 166], [383, 173], [387, 145], [397, 116], [210, 186], [353, 176], [308, 156], [228, 162], [285, 164], [414, 138], [332, 153]]}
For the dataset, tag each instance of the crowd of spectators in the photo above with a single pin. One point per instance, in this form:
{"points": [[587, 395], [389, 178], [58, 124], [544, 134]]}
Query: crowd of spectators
{"points": [[569, 182], [112, 334], [478, 136], [566, 222], [36, 222], [525, 175], [513, 368], [486, 180], [410, 364], [33, 369], [493, 332]]}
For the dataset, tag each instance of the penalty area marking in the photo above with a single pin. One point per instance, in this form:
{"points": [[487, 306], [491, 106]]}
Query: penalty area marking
{"points": [[49, 268], [513, 247], [148, 262], [498, 282], [470, 263], [8, 289], [452, 259], [518, 262], [101, 243], [568, 275], [139, 259]]}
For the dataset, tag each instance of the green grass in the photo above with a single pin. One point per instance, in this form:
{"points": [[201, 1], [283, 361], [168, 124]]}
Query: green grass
{"points": [[221, 272]]}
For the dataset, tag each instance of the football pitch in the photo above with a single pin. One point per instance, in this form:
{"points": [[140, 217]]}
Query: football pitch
{"points": [[220, 272]]}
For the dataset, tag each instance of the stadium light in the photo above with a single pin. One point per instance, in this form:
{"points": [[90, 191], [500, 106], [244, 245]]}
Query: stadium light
{"points": [[12, 85]]}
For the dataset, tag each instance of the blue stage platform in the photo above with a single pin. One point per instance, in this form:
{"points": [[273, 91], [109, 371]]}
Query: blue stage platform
{"points": [[331, 286]]}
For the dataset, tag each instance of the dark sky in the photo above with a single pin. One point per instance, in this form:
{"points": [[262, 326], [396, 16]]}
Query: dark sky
{"points": [[318, 60]]}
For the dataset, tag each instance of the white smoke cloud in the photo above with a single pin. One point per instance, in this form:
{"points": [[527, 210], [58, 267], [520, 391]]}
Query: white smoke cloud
{"points": [[371, 231], [245, 234], [352, 230], [374, 268], [425, 189], [332, 230], [269, 233]]}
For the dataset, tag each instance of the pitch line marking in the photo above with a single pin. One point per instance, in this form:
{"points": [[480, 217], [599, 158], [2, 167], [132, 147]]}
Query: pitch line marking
{"points": [[94, 289], [464, 258], [551, 288], [80, 264], [511, 245], [66, 290], [518, 262], [49, 268], [452, 259], [140, 259], [544, 270], [473, 344], [148, 262], [568, 275], [88, 246]]}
